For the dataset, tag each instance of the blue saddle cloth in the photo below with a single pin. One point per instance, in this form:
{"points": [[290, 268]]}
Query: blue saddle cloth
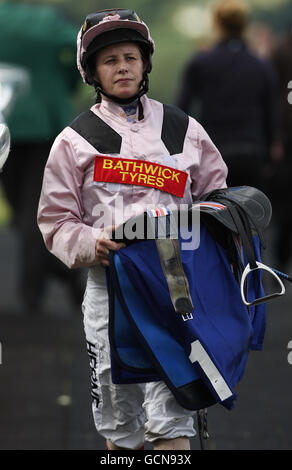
{"points": [[201, 359]]}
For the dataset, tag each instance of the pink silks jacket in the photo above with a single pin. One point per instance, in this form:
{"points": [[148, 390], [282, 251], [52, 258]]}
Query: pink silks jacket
{"points": [[75, 204]]}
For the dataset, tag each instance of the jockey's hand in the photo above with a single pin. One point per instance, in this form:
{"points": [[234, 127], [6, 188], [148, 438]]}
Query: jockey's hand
{"points": [[104, 245]]}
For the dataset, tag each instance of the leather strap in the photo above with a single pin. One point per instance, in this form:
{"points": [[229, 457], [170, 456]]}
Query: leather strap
{"points": [[169, 254]]}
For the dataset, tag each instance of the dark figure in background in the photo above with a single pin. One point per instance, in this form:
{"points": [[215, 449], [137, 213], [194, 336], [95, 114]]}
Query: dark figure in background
{"points": [[237, 94], [281, 174], [38, 39]]}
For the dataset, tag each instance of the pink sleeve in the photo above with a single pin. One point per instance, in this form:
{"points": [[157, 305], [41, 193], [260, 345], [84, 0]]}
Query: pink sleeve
{"points": [[60, 208], [212, 171]]}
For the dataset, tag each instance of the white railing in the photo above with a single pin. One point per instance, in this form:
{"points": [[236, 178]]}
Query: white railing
{"points": [[14, 81]]}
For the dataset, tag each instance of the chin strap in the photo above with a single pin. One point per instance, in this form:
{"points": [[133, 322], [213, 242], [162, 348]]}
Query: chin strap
{"points": [[140, 110], [143, 90]]}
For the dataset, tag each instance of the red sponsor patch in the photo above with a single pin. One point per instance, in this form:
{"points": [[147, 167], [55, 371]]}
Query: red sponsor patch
{"points": [[140, 173]]}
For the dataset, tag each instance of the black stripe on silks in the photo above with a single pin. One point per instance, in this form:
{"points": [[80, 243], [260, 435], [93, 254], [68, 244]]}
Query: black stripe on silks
{"points": [[174, 128], [97, 132]]}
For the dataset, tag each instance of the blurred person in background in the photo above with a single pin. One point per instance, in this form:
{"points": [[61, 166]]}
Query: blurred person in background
{"points": [[237, 93], [281, 168], [37, 38]]}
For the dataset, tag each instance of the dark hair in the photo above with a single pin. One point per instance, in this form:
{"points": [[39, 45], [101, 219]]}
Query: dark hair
{"points": [[232, 16]]}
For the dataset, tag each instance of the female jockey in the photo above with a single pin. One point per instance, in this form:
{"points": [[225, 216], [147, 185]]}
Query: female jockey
{"points": [[101, 171]]}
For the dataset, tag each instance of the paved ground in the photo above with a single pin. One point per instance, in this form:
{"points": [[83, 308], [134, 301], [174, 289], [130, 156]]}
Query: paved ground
{"points": [[44, 377]]}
